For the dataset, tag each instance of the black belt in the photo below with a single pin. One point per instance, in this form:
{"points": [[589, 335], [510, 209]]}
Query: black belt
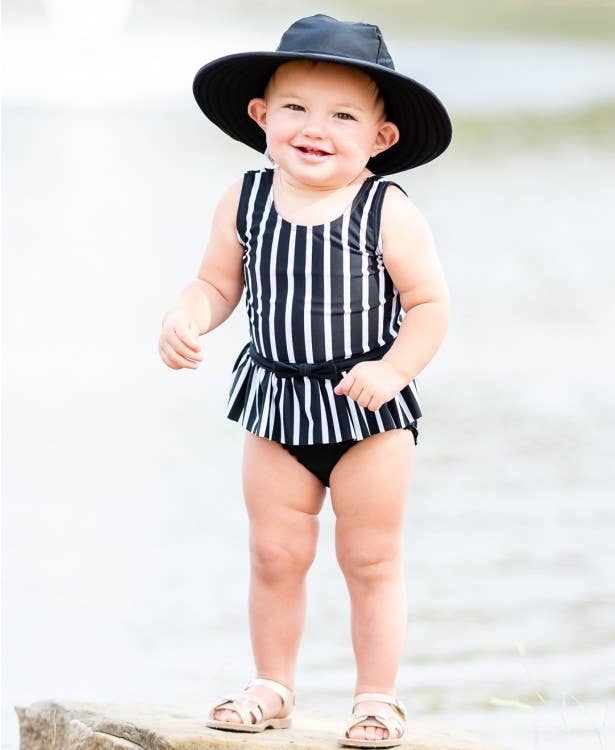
{"points": [[327, 370]]}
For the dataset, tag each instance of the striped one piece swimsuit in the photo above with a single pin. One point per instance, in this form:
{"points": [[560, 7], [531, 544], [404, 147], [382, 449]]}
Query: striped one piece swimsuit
{"points": [[313, 294]]}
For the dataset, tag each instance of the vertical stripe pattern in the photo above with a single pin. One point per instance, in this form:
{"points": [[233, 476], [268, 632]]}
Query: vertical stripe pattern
{"points": [[313, 293]]}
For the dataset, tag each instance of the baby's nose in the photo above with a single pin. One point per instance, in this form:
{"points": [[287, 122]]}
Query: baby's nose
{"points": [[314, 126]]}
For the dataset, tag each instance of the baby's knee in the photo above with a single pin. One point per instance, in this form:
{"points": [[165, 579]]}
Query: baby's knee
{"points": [[369, 567], [274, 561]]}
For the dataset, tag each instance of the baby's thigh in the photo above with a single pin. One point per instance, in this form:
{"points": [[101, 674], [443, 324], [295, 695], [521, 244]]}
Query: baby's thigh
{"points": [[369, 490], [282, 497]]}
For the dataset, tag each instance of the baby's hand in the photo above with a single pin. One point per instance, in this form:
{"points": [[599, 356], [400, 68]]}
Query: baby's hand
{"points": [[179, 341], [371, 384]]}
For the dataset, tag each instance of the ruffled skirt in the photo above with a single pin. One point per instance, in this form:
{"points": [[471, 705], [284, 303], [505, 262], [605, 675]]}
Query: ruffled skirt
{"points": [[306, 411]]}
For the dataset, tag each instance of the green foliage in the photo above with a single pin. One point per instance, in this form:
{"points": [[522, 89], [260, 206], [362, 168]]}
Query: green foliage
{"points": [[595, 123]]}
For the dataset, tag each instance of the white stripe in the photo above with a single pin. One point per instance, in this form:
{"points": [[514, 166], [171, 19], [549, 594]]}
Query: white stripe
{"points": [[381, 301], [250, 399], [364, 269], [273, 286], [381, 285], [262, 421], [289, 294], [307, 309], [308, 411], [414, 388], [399, 414], [394, 314], [399, 399], [241, 374], [248, 280], [281, 412], [336, 423], [296, 417], [379, 245], [355, 428], [323, 416], [364, 423], [358, 434], [259, 245], [346, 275], [274, 389], [326, 277]]}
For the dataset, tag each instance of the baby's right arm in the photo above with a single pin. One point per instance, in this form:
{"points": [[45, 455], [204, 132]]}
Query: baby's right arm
{"points": [[208, 300]]}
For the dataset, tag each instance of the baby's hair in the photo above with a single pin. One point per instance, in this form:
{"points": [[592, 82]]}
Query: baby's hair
{"points": [[372, 85]]}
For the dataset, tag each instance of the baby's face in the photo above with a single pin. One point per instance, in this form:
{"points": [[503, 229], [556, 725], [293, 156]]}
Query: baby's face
{"points": [[323, 121]]}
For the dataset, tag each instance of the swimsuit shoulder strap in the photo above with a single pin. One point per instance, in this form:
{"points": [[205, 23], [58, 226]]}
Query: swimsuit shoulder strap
{"points": [[377, 201], [251, 189]]}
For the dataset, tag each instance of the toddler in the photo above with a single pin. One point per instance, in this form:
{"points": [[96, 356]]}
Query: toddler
{"points": [[346, 303]]}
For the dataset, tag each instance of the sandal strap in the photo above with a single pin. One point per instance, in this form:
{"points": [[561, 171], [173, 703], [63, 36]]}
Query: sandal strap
{"points": [[391, 723], [244, 704], [287, 695], [381, 698]]}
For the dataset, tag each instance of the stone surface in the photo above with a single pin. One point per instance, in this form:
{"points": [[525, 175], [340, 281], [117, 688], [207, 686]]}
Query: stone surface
{"points": [[67, 725]]}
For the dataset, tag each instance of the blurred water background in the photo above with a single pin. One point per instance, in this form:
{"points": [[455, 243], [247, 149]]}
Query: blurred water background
{"points": [[125, 566]]}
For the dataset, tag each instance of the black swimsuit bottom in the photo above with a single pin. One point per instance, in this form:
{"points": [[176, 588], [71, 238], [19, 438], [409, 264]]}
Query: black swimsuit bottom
{"points": [[321, 459]]}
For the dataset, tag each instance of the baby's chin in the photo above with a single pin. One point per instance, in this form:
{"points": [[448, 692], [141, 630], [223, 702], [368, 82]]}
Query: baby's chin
{"points": [[325, 172]]}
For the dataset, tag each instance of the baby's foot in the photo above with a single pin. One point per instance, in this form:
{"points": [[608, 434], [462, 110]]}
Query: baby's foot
{"points": [[272, 704], [362, 732]]}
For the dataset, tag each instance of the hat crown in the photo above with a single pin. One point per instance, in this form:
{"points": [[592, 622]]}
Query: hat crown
{"points": [[324, 35]]}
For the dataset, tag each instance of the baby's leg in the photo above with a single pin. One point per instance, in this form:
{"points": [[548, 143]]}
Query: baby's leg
{"points": [[283, 500], [369, 490]]}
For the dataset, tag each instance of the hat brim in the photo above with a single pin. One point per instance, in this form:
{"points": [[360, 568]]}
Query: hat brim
{"points": [[223, 88]]}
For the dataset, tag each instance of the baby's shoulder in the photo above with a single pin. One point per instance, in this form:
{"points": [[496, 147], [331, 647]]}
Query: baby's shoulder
{"points": [[399, 211], [402, 225], [228, 202], [232, 192]]}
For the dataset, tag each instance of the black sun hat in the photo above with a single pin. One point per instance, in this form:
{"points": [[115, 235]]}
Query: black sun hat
{"points": [[223, 88]]}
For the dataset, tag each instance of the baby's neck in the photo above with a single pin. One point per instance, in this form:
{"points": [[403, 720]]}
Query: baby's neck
{"points": [[313, 204], [286, 183]]}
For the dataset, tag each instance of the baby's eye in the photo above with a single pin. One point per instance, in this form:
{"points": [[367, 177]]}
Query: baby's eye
{"points": [[294, 107], [344, 116]]}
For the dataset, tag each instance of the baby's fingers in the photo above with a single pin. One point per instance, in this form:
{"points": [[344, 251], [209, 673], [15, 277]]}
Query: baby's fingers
{"points": [[183, 344], [188, 335], [174, 359]]}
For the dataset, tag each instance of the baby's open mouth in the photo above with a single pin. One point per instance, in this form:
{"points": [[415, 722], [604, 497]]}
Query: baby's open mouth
{"points": [[316, 151]]}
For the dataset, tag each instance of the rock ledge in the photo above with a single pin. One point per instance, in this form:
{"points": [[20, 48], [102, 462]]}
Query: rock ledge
{"points": [[67, 725]]}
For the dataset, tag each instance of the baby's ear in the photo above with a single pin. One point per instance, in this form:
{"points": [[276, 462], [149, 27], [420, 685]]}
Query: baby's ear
{"points": [[387, 136], [257, 109]]}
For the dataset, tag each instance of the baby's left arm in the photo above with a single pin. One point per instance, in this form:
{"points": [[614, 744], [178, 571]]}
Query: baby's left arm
{"points": [[410, 258]]}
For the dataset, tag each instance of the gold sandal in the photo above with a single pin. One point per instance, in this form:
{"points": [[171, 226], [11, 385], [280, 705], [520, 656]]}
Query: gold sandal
{"points": [[391, 722], [248, 705]]}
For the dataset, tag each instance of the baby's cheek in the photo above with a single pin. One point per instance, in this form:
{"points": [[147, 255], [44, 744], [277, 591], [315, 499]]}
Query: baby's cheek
{"points": [[281, 127], [357, 147]]}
